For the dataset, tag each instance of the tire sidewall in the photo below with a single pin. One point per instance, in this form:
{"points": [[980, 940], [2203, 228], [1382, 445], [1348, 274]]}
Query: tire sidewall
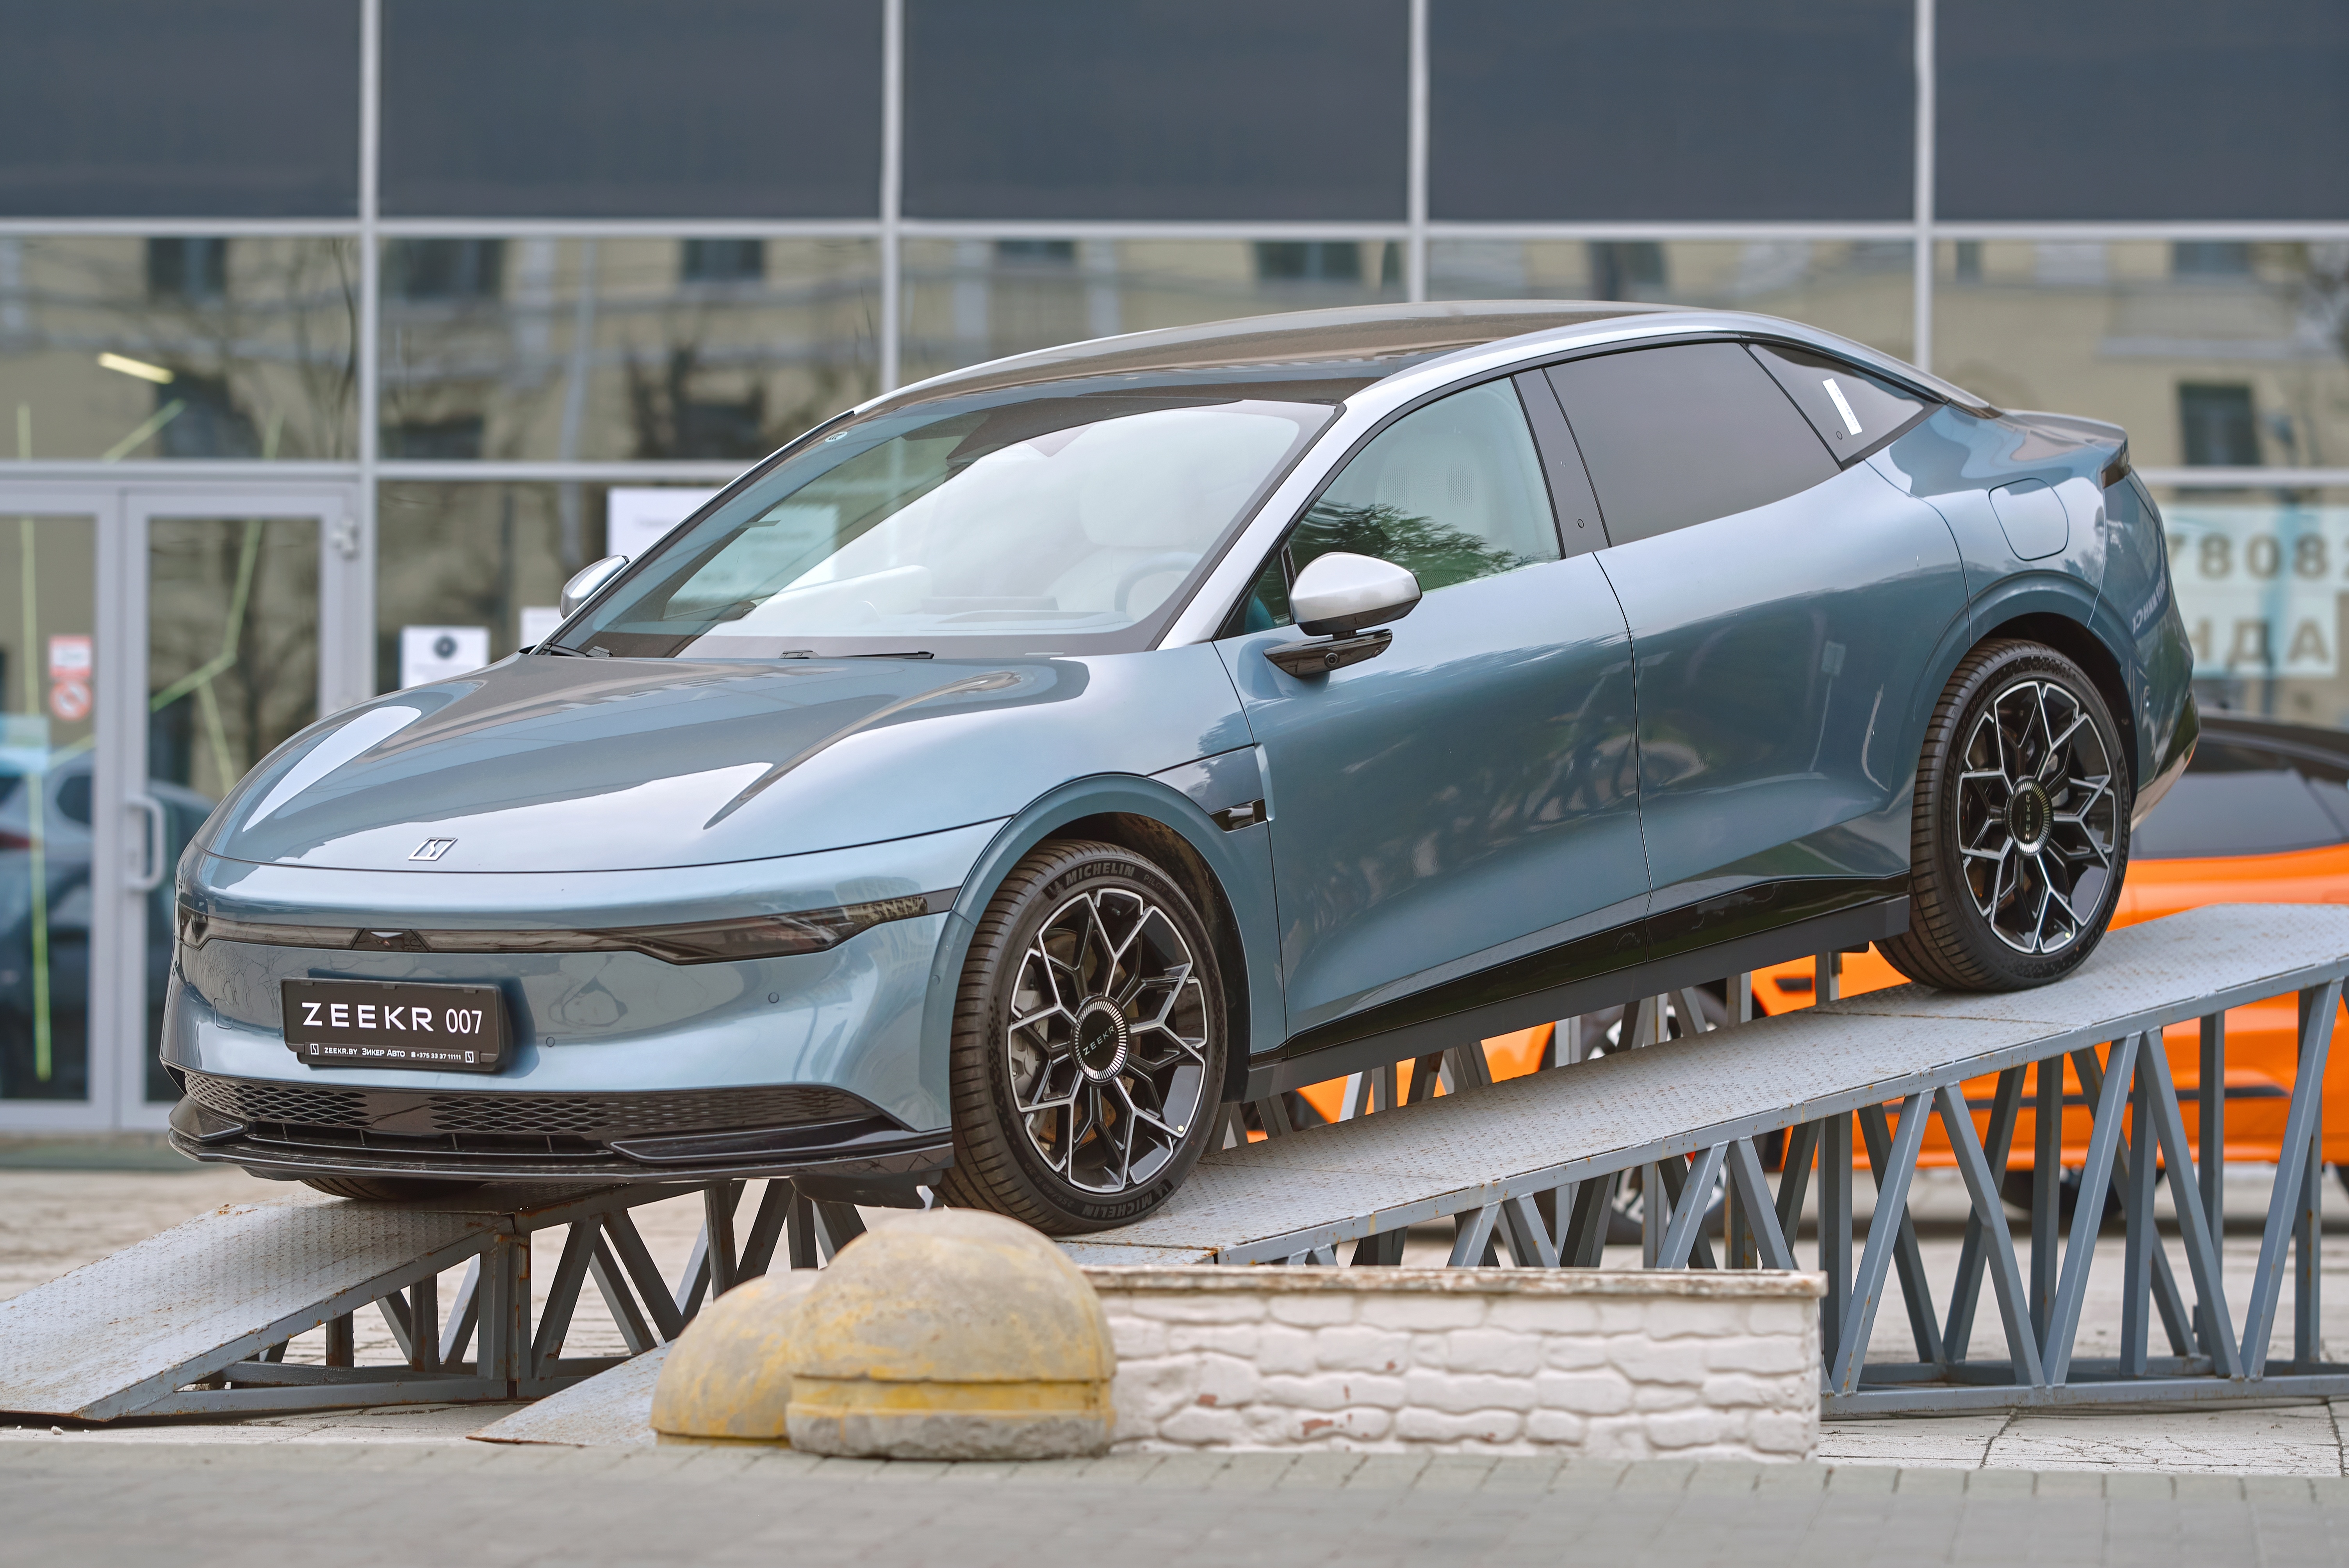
{"points": [[1982, 685], [1076, 869]]}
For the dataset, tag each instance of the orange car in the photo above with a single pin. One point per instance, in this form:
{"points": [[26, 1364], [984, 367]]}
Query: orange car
{"points": [[2261, 816]]}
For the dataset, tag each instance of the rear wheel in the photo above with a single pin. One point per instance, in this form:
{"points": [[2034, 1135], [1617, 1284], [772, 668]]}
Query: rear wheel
{"points": [[1089, 1044], [389, 1189], [2019, 836]]}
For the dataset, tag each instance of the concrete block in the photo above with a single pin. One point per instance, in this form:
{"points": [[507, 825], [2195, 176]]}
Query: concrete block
{"points": [[1356, 1346], [1408, 1311], [1724, 1391], [1648, 1361], [1563, 1427], [1457, 1393], [1779, 1357], [1282, 1348], [1489, 1349], [1199, 1307], [1213, 1338], [1788, 1432], [1416, 1424], [1605, 1392], [1574, 1352], [1315, 1309], [1671, 1430]]}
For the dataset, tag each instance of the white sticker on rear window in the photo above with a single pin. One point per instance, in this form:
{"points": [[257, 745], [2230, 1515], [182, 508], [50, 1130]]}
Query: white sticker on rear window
{"points": [[1850, 420]]}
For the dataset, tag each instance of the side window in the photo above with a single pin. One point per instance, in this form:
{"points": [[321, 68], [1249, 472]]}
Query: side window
{"points": [[1853, 411], [1683, 434], [1453, 492]]}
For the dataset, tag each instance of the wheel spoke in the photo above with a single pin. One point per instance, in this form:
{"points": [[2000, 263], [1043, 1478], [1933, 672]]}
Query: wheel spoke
{"points": [[1108, 1040]]}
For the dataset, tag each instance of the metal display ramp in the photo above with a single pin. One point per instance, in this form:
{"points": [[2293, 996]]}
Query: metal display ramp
{"points": [[195, 1321], [1530, 1166]]}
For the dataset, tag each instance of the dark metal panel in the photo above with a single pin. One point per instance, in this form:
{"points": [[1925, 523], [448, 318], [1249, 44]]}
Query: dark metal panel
{"points": [[600, 108], [2142, 109], [1289, 109], [1668, 110], [240, 109]]}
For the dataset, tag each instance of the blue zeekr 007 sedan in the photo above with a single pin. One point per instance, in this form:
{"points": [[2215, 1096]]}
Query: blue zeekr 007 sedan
{"points": [[985, 789]]}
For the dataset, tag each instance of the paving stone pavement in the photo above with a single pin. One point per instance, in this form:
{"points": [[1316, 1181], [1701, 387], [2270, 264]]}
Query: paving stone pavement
{"points": [[70, 1500]]}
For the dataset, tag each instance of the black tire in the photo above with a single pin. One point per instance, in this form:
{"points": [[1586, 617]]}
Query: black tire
{"points": [[389, 1189], [1123, 1008], [2022, 752]]}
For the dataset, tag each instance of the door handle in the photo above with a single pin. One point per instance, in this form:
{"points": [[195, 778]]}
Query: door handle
{"points": [[150, 875]]}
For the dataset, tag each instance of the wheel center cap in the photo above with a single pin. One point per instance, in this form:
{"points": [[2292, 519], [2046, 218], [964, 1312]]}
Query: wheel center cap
{"points": [[2028, 815], [1100, 1040]]}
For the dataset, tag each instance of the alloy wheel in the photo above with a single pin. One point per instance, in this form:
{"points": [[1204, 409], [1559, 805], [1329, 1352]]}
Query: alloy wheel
{"points": [[2037, 816], [1108, 1040]]}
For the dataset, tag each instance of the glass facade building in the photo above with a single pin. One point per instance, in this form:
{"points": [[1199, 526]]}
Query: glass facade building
{"points": [[335, 335]]}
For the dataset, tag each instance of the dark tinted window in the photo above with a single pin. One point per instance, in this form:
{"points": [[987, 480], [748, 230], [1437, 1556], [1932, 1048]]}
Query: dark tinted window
{"points": [[244, 108], [1570, 495], [2239, 798], [1156, 109], [2142, 109], [1685, 433], [1670, 108], [2215, 425], [1853, 411], [592, 109]]}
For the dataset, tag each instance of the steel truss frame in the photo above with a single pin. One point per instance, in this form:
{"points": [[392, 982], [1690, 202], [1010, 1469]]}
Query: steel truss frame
{"points": [[488, 1344], [2139, 1142]]}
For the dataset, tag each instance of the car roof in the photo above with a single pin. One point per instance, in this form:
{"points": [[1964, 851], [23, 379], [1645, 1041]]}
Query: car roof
{"points": [[1380, 338], [1330, 354]]}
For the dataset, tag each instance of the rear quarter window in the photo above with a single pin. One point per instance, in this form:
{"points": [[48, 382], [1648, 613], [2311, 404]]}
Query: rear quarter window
{"points": [[1853, 411], [1683, 434]]}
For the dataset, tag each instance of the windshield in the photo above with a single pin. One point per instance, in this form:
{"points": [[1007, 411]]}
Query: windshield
{"points": [[1031, 523]]}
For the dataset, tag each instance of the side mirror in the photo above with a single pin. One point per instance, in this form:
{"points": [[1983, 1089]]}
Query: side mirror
{"points": [[1337, 597], [590, 577]]}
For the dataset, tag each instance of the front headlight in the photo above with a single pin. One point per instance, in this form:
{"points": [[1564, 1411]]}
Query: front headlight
{"points": [[694, 941]]}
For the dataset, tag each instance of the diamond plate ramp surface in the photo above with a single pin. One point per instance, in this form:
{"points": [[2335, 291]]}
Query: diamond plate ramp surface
{"points": [[116, 1333], [1248, 1204], [611, 1408]]}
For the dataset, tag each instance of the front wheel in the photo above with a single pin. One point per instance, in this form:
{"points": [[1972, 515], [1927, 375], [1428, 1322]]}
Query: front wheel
{"points": [[1089, 1042], [2019, 837]]}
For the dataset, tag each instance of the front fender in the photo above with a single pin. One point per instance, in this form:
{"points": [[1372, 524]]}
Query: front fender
{"points": [[1240, 860]]}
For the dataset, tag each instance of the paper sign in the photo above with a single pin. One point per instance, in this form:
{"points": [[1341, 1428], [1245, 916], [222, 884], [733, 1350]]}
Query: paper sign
{"points": [[636, 516], [538, 624], [437, 653]]}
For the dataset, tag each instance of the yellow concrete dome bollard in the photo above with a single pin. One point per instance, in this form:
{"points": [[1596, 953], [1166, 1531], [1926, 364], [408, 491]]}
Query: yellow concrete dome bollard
{"points": [[953, 1334], [729, 1376]]}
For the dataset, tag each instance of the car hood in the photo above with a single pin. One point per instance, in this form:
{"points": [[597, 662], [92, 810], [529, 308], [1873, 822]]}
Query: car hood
{"points": [[544, 764]]}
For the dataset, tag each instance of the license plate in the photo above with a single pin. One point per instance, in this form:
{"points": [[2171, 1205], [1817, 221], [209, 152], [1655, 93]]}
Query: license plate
{"points": [[389, 1024]]}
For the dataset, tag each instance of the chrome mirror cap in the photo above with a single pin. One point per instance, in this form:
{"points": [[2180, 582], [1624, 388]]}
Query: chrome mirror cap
{"points": [[590, 577], [1339, 593]]}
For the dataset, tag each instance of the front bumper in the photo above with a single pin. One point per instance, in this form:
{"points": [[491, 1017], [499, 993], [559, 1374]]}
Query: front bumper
{"points": [[832, 1144]]}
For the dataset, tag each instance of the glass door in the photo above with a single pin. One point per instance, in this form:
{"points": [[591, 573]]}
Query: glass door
{"points": [[51, 545], [252, 624]]}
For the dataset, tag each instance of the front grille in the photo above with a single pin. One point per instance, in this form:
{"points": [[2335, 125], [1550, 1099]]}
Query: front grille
{"points": [[413, 1113]]}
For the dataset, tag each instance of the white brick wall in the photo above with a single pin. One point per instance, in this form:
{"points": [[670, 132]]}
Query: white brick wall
{"points": [[1611, 1364]]}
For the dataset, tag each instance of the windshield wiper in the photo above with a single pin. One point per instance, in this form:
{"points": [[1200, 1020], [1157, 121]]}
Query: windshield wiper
{"points": [[812, 654], [558, 650]]}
